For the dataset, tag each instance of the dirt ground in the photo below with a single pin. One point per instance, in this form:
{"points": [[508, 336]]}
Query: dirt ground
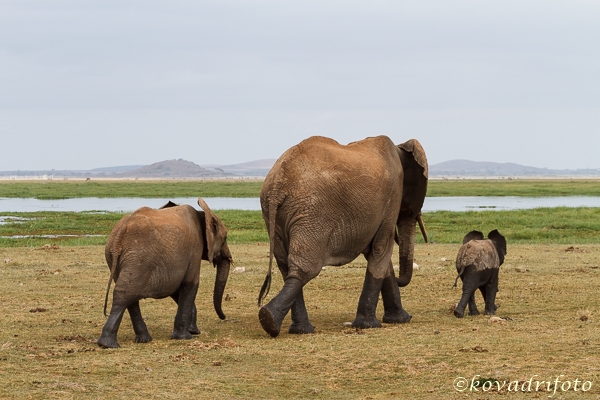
{"points": [[547, 344]]}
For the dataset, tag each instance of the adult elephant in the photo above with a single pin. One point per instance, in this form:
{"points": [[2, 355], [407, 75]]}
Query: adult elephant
{"points": [[325, 204], [157, 254]]}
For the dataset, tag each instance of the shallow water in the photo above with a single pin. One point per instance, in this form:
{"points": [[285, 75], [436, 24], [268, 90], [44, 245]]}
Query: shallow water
{"points": [[127, 204], [9, 219], [475, 203], [480, 203]]}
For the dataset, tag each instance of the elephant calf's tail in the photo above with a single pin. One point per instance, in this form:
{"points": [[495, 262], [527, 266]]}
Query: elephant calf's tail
{"points": [[264, 290], [456, 281], [462, 269]]}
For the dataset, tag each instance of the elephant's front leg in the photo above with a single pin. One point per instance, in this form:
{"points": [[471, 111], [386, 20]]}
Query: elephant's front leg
{"points": [[271, 314], [392, 304], [185, 307], [367, 303], [139, 326]]}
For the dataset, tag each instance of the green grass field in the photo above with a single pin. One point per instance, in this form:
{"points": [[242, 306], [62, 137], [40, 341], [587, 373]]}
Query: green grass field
{"points": [[242, 188], [542, 226], [556, 225], [129, 188]]}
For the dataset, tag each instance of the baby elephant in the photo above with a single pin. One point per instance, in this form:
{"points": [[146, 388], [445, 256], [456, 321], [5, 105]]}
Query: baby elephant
{"points": [[157, 253], [477, 263]]}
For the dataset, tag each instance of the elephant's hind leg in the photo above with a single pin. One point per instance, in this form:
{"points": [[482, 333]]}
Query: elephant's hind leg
{"points": [[193, 328], [185, 307], [271, 314], [300, 322], [489, 294], [108, 338], [473, 306], [367, 303], [467, 296], [139, 326]]}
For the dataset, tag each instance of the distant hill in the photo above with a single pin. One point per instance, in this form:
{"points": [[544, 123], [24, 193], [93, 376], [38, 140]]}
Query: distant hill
{"points": [[179, 169], [96, 172], [252, 168], [172, 169], [114, 170], [461, 168]]}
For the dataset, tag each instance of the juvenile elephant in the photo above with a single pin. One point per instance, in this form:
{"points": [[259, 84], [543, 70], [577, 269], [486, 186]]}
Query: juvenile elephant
{"points": [[325, 204], [156, 253], [478, 263]]}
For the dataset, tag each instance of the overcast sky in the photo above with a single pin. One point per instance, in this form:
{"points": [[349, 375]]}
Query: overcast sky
{"points": [[88, 84]]}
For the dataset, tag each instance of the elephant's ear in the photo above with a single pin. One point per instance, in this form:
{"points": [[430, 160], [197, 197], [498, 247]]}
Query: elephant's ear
{"points": [[473, 235], [216, 234], [210, 229], [169, 204], [417, 153], [499, 242], [415, 169]]}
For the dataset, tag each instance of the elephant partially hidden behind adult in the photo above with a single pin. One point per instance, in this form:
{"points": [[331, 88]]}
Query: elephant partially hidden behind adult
{"points": [[325, 204], [156, 254]]}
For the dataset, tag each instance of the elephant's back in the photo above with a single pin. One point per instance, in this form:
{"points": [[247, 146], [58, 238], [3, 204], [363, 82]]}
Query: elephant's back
{"points": [[320, 163], [156, 232], [481, 254]]}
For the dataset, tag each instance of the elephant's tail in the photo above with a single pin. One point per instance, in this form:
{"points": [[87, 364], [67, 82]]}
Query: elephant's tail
{"points": [[462, 269], [264, 290], [113, 267]]}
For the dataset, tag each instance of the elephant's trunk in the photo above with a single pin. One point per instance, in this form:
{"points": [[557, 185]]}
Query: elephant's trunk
{"points": [[406, 238], [220, 281]]}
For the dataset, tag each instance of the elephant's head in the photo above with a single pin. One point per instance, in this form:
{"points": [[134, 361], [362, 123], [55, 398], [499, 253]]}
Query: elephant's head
{"points": [[217, 252], [414, 165]]}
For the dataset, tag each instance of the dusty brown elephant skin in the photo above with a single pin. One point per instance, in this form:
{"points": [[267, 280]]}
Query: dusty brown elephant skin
{"points": [[156, 254], [477, 263], [325, 204]]}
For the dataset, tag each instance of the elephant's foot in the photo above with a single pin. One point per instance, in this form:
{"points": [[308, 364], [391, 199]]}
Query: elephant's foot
{"points": [[143, 338], [399, 317], [491, 310], [269, 322], [108, 343], [301, 328], [475, 312], [181, 335], [193, 329], [366, 322], [458, 313]]}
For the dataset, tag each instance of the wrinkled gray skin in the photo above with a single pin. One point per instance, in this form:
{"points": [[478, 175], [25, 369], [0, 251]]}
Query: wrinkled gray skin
{"points": [[156, 253], [325, 204], [478, 263]]}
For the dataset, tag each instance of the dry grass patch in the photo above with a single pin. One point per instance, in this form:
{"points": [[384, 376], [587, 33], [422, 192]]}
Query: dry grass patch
{"points": [[51, 311]]}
